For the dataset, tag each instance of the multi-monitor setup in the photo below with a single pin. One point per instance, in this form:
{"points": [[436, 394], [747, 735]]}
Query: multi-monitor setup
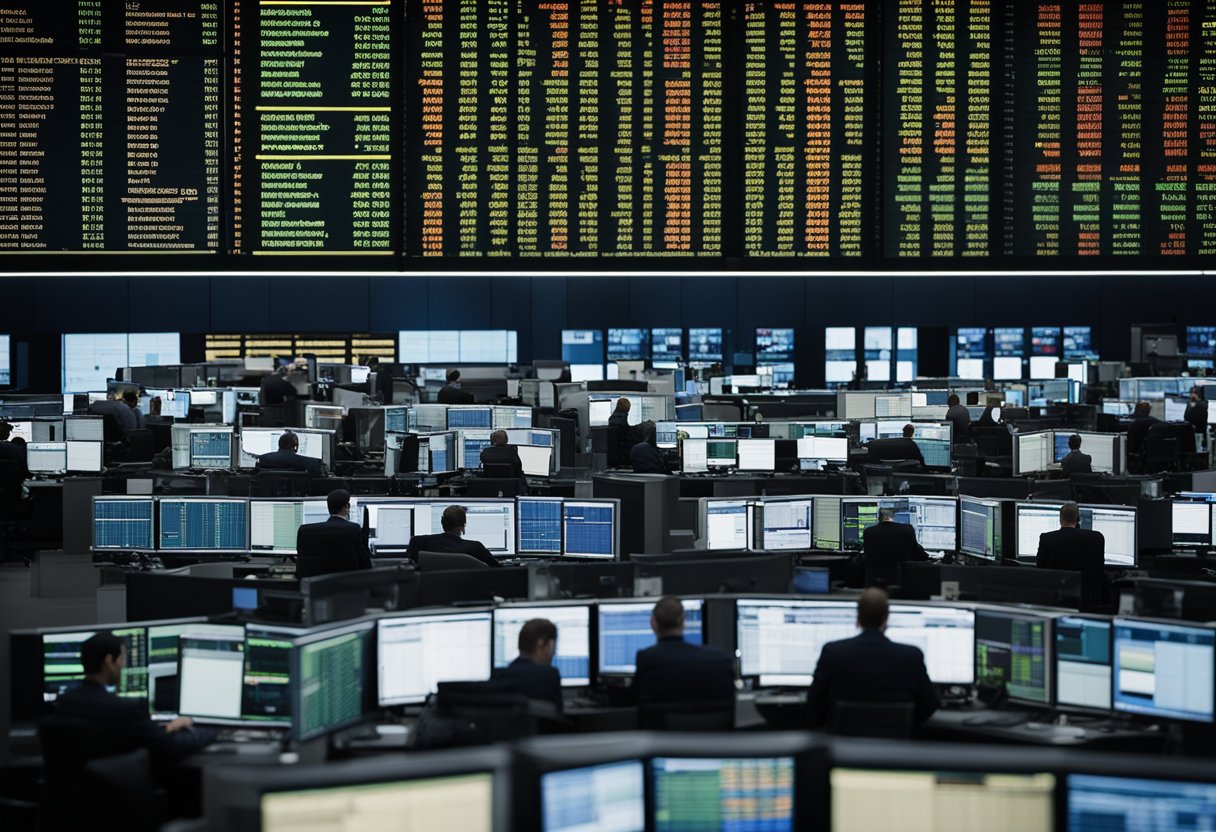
{"points": [[235, 526], [1037, 452]]}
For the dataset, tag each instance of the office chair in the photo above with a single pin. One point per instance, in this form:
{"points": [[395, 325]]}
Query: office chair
{"points": [[1160, 454], [882, 720], [282, 483], [481, 713], [498, 470], [494, 487], [74, 791], [447, 562], [620, 443], [142, 446], [877, 479], [687, 716], [126, 781]]}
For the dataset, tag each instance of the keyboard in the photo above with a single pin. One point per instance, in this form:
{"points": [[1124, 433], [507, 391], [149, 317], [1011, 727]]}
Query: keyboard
{"points": [[250, 735]]}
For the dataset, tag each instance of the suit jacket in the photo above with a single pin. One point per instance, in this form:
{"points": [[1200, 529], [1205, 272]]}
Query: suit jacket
{"points": [[384, 384], [448, 542], [1137, 432], [1077, 550], [885, 546], [1197, 416], [870, 668], [275, 389], [454, 395], [121, 411], [90, 702], [895, 449], [535, 681], [337, 545], [1075, 462], [503, 455], [675, 671], [645, 459], [17, 454], [288, 461], [960, 417]]}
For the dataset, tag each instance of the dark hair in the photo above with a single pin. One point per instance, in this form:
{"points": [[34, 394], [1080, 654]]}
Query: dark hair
{"points": [[952, 399], [1143, 409], [1074, 442], [1069, 513], [338, 500], [668, 614], [499, 437], [5, 430], [909, 431], [647, 431], [453, 375], [873, 608], [95, 649], [130, 397], [534, 632], [453, 518], [372, 361], [288, 440]]}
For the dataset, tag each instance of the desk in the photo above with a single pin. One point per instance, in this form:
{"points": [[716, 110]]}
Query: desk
{"points": [[974, 724]]}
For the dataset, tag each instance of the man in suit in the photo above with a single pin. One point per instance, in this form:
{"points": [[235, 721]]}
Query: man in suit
{"points": [[103, 657], [454, 520], [644, 456], [1142, 420], [1075, 462], [1077, 550], [1197, 413], [287, 457], [674, 670], [276, 389], [384, 379], [533, 673], [624, 434], [336, 545], [896, 450], [870, 668], [116, 408], [499, 453], [131, 399], [886, 545], [960, 417], [451, 393]]}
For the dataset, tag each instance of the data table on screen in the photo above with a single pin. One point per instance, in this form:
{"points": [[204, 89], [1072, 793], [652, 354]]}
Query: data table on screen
{"points": [[624, 629], [123, 524], [589, 529], [203, 524]]}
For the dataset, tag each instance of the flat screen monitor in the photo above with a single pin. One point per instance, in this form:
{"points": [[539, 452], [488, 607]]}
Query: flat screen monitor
{"points": [[469, 445], [824, 448], [628, 344], [437, 453], [84, 429], [600, 409], [779, 639], [46, 457], [705, 345], [946, 636], [980, 527], [840, 353], [203, 524], [666, 348], [728, 524], [589, 529], [489, 346], [461, 802], [751, 793], [62, 669], [540, 525], [6, 375], [211, 675], [700, 455], [1083, 662], [267, 689], [1116, 523], [85, 457], [417, 652], [1033, 452], [391, 524], [935, 519], [1192, 524], [470, 417], [537, 460], [507, 418], [1164, 670], [787, 524], [164, 653], [1201, 340], [624, 629], [774, 346], [1007, 368], [583, 346], [332, 672], [573, 622], [123, 524], [490, 522], [1014, 650], [610, 797], [757, 455], [1078, 342], [1098, 803], [947, 800], [857, 515], [257, 441], [210, 448], [1104, 449], [827, 523], [273, 523]]}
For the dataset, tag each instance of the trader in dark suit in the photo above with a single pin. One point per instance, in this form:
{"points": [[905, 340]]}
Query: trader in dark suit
{"points": [[870, 668], [960, 417], [533, 673], [384, 379], [1076, 550], [644, 456], [1142, 420], [886, 545], [451, 393], [674, 670], [1075, 462], [287, 457], [454, 520], [1197, 413], [622, 433], [898, 449], [276, 388], [498, 452], [103, 657], [336, 545]]}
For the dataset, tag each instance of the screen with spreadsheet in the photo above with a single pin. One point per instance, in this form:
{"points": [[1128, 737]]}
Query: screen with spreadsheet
{"points": [[470, 417], [573, 657], [124, 524], [62, 669], [707, 793], [787, 524], [46, 457], [266, 690], [202, 524], [945, 635], [728, 524], [1097, 803], [624, 629], [1014, 650], [1164, 670], [540, 525], [589, 529], [779, 639], [980, 527], [273, 525], [1083, 662], [210, 449], [1192, 524], [490, 522], [935, 519], [416, 653], [332, 674], [1117, 525], [461, 802], [610, 797]]}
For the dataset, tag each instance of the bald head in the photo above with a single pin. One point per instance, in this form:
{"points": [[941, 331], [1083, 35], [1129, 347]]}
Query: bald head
{"points": [[872, 609]]}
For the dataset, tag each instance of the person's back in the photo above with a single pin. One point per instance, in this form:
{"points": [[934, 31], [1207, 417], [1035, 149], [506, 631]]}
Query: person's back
{"points": [[1075, 462], [644, 456], [532, 673], [275, 389], [895, 449], [1137, 431], [870, 668], [454, 520], [451, 393], [886, 545], [499, 453], [334, 545], [123, 416], [288, 458], [1074, 549], [675, 671], [960, 417]]}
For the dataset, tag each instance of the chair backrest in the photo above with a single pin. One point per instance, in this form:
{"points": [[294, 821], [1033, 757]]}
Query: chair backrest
{"points": [[476, 713], [142, 445], [447, 562], [68, 746], [687, 716], [498, 470], [282, 483], [1160, 453], [12, 474], [887, 720], [123, 781], [112, 428], [494, 486]]}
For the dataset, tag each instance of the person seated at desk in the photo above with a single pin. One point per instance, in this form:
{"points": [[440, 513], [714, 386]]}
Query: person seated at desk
{"points": [[644, 456], [454, 520], [1137, 432], [336, 545], [10, 449], [131, 399], [896, 449], [103, 657], [498, 452], [451, 393], [960, 417], [117, 409], [1075, 462], [674, 670], [532, 673], [1076, 550], [276, 388], [287, 457], [886, 545], [870, 668]]}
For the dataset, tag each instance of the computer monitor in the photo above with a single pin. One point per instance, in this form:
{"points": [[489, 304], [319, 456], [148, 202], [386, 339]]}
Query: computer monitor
{"points": [[540, 525], [1106, 450], [1192, 524], [1083, 663], [163, 658], [583, 346], [1164, 670], [46, 457], [666, 348], [506, 418], [1116, 523], [946, 636], [470, 417], [417, 652], [85, 457], [537, 460], [628, 344], [701, 455], [211, 448], [314, 444], [331, 672], [935, 519], [980, 522], [62, 669], [267, 689], [211, 675], [391, 523], [589, 529], [786, 524], [609, 797], [469, 445], [490, 522], [727, 523], [624, 629], [742, 793], [84, 429], [203, 524], [1014, 649], [827, 522], [705, 345], [857, 515], [952, 799], [123, 524], [437, 453], [757, 455], [824, 449], [573, 622], [774, 346], [462, 802], [273, 523], [1098, 802], [779, 639]]}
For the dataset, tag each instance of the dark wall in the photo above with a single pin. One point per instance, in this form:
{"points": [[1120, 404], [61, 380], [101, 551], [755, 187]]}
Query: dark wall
{"points": [[37, 309]]}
